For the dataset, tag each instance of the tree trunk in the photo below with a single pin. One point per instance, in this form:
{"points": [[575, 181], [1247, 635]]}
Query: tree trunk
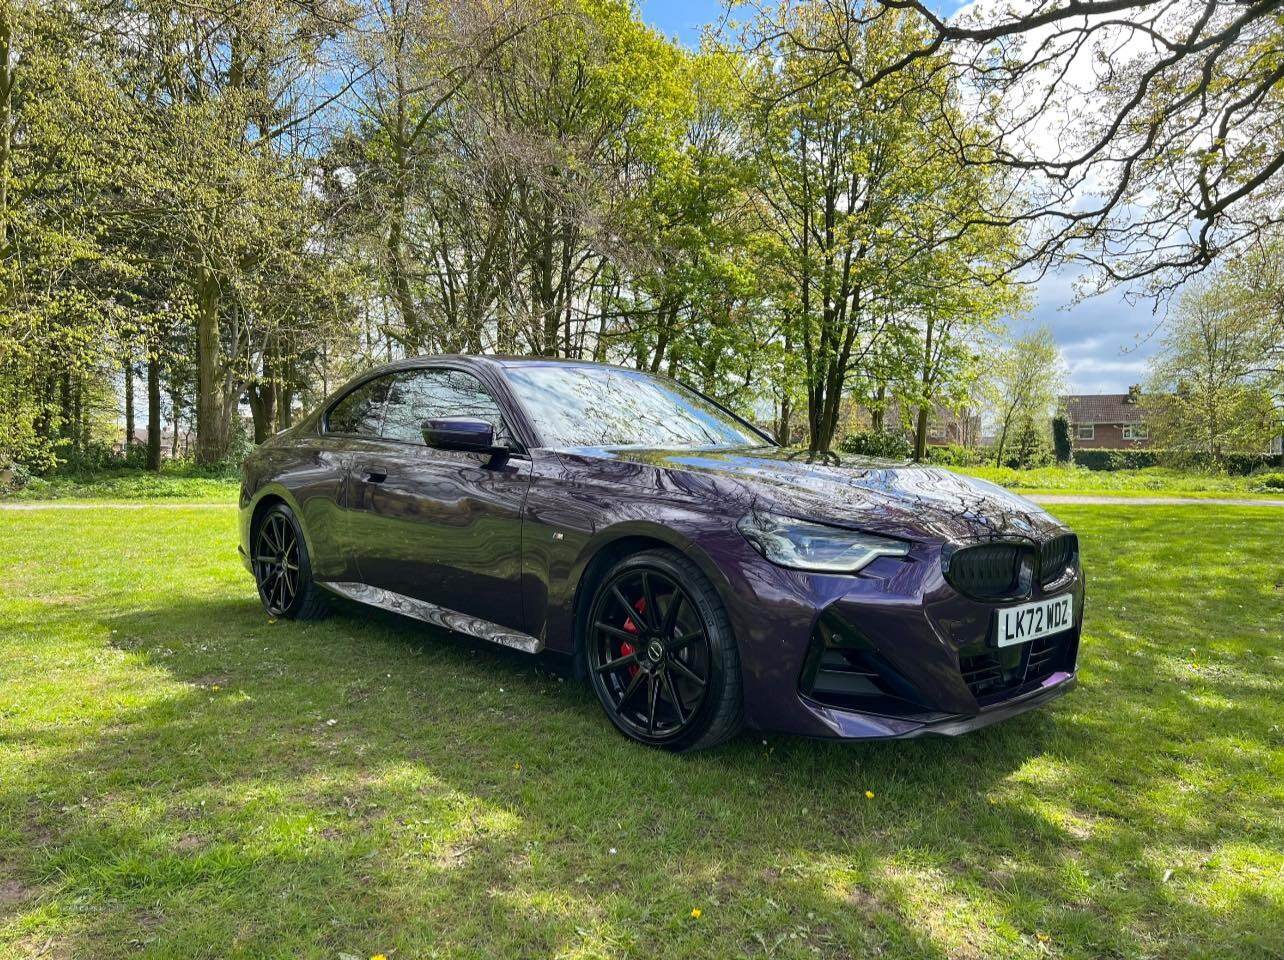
{"points": [[211, 440], [263, 409], [6, 119], [129, 403], [66, 422], [920, 436], [285, 407], [153, 410], [998, 447]]}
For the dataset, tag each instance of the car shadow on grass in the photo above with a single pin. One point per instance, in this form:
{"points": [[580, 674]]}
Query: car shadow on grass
{"points": [[366, 784]]}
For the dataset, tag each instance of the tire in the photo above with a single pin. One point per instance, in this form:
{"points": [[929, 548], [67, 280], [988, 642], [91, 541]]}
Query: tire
{"points": [[283, 569], [658, 683]]}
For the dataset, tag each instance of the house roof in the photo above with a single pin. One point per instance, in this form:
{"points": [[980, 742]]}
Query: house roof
{"points": [[1102, 408]]}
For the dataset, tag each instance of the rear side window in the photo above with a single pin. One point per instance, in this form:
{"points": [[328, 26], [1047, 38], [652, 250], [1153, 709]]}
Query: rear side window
{"points": [[361, 411], [419, 395]]}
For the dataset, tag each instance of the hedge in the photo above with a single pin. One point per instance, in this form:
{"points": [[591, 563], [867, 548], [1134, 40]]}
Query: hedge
{"points": [[1239, 464]]}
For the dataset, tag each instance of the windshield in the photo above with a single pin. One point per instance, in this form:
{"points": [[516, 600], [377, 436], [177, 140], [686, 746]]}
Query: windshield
{"points": [[609, 407]]}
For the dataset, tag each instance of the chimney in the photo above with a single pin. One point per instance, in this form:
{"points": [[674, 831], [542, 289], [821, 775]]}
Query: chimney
{"points": [[1134, 393]]}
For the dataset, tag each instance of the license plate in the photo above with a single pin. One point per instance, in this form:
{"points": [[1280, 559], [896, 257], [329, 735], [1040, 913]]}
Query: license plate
{"points": [[1033, 620]]}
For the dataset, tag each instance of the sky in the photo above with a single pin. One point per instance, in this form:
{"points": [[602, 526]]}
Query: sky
{"points": [[1105, 341]]}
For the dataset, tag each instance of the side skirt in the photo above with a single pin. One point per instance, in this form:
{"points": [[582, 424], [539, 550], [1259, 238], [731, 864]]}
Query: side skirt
{"points": [[437, 616]]}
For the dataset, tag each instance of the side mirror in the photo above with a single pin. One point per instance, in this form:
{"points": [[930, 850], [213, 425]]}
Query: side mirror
{"points": [[463, 433]]}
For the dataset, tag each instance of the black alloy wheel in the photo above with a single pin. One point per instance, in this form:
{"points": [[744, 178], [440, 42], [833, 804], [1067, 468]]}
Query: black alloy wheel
{"points": [[281, 567], [661, 656]]}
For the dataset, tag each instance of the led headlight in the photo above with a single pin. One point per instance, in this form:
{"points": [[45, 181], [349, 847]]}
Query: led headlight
{"points": [[814, 546]]}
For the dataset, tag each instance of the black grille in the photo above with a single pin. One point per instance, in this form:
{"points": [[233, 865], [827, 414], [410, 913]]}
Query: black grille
{"points": [[1056, 556], [992, 673], [988, 571]]}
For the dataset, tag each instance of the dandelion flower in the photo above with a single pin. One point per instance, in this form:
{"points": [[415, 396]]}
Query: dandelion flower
{"points": [[695, 913], [869, 794]]}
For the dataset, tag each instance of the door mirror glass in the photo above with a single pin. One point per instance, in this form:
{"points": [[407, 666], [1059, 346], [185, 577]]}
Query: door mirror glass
{"points": [[459, 433]]}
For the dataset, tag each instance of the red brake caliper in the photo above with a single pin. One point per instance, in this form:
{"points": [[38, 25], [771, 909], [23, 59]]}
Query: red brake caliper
{"points": [[627, 648]]}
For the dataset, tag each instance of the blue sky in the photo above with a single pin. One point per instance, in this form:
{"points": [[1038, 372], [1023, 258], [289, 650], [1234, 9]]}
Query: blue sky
{"points": [[1105, 341]]}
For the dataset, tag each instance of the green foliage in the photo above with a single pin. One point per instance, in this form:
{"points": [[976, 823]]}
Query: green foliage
{"points": [[891, 444], [1272, 482], [1030, 447], [1212, 388], [956, 455], [175, 481]]}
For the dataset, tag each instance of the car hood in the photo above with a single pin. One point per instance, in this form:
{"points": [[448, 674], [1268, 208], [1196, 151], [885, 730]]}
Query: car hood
{"points": [[885, 496]]}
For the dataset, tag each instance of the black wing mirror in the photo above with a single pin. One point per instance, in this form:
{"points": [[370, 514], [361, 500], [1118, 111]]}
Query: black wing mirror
{"points": [[464, 433]]}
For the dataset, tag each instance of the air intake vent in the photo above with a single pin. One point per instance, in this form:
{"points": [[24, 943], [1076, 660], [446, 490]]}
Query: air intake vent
{"points": [[844, 670], [990, 571]]}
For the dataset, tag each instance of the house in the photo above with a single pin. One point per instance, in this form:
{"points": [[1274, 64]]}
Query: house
{"points": [[946, 426], [1107, 420]]}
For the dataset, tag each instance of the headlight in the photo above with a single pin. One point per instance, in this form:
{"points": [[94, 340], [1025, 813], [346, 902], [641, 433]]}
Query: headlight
{"points": [[814, 546]]}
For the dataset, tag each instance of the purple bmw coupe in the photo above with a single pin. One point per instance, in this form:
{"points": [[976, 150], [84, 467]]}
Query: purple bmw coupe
{"points": [[700, 576]]}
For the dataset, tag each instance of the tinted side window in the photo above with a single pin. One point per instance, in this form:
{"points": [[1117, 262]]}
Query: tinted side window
{"points": [[420, 395], [361, 411]]}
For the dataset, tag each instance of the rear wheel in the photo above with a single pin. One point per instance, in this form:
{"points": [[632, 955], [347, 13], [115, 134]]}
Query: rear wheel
{"points": [[661, 655], [282, 567]]}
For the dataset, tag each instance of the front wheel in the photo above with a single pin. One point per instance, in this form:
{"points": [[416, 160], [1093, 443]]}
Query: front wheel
{"points": [[661, 656], [283, 569]]}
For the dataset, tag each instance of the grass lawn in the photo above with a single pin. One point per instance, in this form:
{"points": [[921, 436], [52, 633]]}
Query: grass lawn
{"points": [[182, 777], [1149, 482]]}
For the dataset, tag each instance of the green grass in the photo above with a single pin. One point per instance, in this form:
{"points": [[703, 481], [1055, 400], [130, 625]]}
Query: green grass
{"points": [[182, 777], [1151, 481], [174, 482]]}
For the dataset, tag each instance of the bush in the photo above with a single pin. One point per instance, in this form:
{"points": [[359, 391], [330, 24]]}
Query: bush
{"points": [[13, 476], [1268, 482], [1238, 464], [878, 443], [954, 455], [1029, 449]]}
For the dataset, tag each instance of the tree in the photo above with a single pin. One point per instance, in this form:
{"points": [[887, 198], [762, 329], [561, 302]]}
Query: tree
{"points": [[1061, 443], [1204, 397], [1145, 135], [58, 275], [863, 207], [1026, 379]]}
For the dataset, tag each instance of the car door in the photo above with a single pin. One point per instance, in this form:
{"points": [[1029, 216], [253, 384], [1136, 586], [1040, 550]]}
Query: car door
{"points": [[351, 427], [443, 526]]}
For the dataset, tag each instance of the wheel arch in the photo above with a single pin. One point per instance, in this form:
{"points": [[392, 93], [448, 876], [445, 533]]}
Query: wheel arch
{"points": [[611, 546], [267, 497]]}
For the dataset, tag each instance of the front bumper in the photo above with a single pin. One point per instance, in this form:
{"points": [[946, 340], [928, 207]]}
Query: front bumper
{"points": [[923, 637], [851, 725]]}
